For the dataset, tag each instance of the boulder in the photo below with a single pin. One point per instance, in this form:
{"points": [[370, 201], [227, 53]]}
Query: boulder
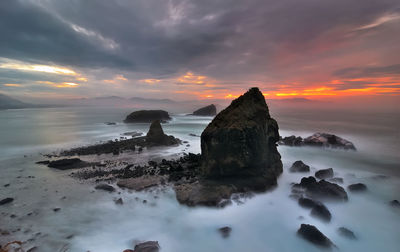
{"points": [[306, 202], [241, 140], [147, 116], [105, 187], [336, 180], [324, 173], [299, 166], [328, 141], [321, 190], [359, 187], [149, 246], [313, 235], [320, 211], [225, 231], [345, 232], [209, 110], [68, 163], [156, 135]]}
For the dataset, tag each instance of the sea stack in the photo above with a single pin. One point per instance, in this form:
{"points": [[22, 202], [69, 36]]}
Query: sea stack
{"points": [[147, 116], [156, 135], [241, 140], [209, 110]]}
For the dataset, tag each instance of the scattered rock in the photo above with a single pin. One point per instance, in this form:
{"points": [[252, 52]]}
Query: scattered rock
{"points": [[6, 201], [105, 187], [149, 246], [395, 203], [147, 116], [225, 231], [324, 173], [66, 164], [56, 209], [313, 235], [359, 187], [193, 135], [6, 185], [336, 180], [321, 212], [139, 183], [209, 110], [346, 233], [110, 123], [156, 135], [322, 190], [306, 202], [299, 166], [119, 201]]}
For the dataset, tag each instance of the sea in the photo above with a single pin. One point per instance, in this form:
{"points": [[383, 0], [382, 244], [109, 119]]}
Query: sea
{"points": [[89, 220]]}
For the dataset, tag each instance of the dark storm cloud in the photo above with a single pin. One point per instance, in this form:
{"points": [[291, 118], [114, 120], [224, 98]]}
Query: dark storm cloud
{"points": [[356, 72]]}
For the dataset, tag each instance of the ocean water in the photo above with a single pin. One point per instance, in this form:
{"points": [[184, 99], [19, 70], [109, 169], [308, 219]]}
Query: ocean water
{"points": [[89, 220]]}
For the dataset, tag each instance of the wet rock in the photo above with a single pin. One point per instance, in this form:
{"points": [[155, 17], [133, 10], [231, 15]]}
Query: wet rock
{"points": [[6, 185], [324, 173], [395, 203], [313, 235], [320, 211], [105, 187], [6, 201], [110, 123], [345, 232], [321, 190], [241, 140], [56, 209], [149, 246], [209, 110], [140, 183], [336, 180], [156, 135], [299, 166], [68, 163], [328, 141], [291, 141], [307, 203], [359, 187], [225, 231], [147, 116]]}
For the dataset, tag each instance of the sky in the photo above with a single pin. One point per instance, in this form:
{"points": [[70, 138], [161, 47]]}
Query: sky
{"points": [[199, 50]]}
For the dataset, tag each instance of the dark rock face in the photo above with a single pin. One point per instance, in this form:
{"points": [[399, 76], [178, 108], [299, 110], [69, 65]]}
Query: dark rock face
{"points": [[147, 116], [105, 187], [241, 140], [299, 166], [321, 212], [345, 232], [149, 246], [359, 187], [225, 231], [66, 164], [313, 235], [324, 173], [321, 190], [209, 110], [6, 201], [156, 135]]}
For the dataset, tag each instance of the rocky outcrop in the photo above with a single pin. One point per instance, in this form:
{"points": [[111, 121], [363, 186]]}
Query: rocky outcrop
{"points": [[209, 110], [241, 140], [325, 140], [313, 235], [320, 190], [156, 135], [299, 166], [147, 116]]}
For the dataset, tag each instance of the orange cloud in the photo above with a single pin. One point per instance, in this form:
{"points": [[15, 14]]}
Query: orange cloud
{"points": [[150, 81], [117, 79], [60, 85], [12, 85], [190, 78]]}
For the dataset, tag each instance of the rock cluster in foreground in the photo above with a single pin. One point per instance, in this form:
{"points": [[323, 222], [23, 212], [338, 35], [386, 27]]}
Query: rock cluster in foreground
{"points": [[318, 140]]}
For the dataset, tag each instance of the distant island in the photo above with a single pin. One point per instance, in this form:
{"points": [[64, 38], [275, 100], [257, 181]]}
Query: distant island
{"points": [[6, 102]]}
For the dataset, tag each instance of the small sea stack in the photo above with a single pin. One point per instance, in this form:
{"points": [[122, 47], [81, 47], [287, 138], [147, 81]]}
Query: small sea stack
{"points": [[209, 110], [147, 116]]}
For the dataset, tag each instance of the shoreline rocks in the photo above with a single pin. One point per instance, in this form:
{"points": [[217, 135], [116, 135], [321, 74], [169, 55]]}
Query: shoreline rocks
{"points": [[209, 110], [147, 116]]}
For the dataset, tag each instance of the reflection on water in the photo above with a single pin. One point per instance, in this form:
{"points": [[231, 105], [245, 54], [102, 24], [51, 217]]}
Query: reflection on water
{"points": [[268, 222]]}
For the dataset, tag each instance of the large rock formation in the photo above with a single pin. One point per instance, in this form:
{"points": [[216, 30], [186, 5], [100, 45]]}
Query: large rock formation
{"points": [[209, 110], [241, 140], [156, 135], [147, 116]]}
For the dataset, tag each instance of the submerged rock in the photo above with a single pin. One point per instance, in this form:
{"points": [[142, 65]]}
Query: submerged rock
{"points": [[299, 166], [345, 232], [241, 140], [324, 173], [6, 201], [225, 231], [359, 187], [147, 116], [156, 135], [313, 235], [149, 246], [209, 110]]}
